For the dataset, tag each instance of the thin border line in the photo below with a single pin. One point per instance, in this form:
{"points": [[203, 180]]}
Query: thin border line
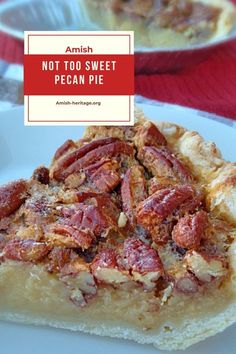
{"points": [[82, 35]]}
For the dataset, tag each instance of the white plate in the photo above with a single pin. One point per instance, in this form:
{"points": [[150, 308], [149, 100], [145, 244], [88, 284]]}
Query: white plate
{"points": [[23, 149]]}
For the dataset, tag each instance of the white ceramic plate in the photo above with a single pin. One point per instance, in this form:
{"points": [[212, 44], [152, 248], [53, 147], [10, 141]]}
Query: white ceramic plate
{"points": [[24, 148]]}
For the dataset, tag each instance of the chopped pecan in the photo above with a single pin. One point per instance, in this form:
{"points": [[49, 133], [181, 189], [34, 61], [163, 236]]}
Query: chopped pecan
{"points": [[58, 258], [163, 163], [149, 135], [104, 175], [190, 229], [163, 232], [75, 180], [206, 268], [156, 208], [25, 250], [64, 148], [133, 191], [12, 195], [68, 236], [143, 262], [89, 217], [83, 196], [106, 268], [187, 284], [156, 184], [72, 157], [78, 278], [96, 212], [105, 151], [41, 174]]}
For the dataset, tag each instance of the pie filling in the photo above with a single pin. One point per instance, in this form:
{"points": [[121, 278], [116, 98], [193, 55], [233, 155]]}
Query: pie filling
{"points": [[116, 228], [175, 21]]}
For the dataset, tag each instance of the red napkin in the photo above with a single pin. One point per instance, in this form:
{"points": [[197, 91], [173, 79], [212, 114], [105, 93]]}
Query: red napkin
{"points": [[208, 86]]}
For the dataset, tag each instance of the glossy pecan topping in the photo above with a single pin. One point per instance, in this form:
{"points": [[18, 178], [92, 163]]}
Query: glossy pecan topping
{"points": [[163, 163], [133, 191], [64, 148], [190, 229], [12, 195], [143, 262], [102, 152], [89, 217], [107, 269], [60, 235], [104, 175], [107, 207], [25, 250], [70, 158], [165, 202]]}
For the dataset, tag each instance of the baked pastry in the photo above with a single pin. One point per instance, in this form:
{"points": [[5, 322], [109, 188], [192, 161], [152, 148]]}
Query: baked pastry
{"points": [[130, 233], [164, 23]]}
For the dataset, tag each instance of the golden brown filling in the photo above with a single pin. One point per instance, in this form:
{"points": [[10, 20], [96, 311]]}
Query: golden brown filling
{"points": [[116, 212]]}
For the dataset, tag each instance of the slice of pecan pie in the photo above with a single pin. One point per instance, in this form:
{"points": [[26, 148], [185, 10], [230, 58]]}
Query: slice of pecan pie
{"points": [[164, 23], [130, 233]]}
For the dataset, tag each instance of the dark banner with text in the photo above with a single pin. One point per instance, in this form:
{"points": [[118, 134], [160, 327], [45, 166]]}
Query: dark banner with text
{"points": [[79, 75]]}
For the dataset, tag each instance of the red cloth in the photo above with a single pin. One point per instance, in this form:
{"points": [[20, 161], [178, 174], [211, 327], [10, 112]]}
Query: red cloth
{"points": [[209, 86]]}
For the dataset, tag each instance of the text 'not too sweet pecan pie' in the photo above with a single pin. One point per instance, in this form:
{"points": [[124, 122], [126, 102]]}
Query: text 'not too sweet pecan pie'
{"points": [[164, 23], [130, 233]]}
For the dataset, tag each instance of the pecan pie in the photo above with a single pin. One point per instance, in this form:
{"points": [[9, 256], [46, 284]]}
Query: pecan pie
{"points": [[129, 233], [164, 23]]}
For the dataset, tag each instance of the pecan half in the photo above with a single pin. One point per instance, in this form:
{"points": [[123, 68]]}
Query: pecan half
{"points": [[162, 162], [206, 268], [105, 151], [143, 262], [25, 250], [12, 195], [104, 175], [156, 208], [108, 205], [77, 154], [133, 191], [64, 148], [149, 135], [68, 236], [105, 268], [89, 217], [190, 229]]}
